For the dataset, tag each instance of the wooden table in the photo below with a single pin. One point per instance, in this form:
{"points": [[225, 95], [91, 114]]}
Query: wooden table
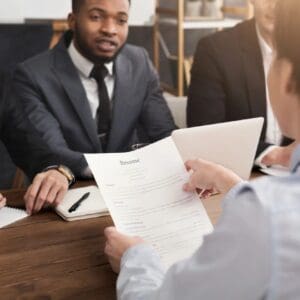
{"points": [[44, 257]]}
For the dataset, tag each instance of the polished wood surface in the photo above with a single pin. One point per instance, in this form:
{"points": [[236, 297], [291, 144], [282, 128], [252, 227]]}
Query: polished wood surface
{"points": [[44, 257]]}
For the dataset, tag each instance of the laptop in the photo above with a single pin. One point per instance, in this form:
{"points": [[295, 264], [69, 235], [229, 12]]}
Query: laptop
{"points": [[231, 144]]}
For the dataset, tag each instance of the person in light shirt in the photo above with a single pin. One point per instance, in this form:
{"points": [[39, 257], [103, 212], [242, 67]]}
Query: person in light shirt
{"points": [[228, 81], [253, 252]]}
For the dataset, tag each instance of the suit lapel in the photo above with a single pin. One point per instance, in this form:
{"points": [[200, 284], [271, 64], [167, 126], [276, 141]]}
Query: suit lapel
{"points": [[68, 76], [122, 101], [253, 70]]}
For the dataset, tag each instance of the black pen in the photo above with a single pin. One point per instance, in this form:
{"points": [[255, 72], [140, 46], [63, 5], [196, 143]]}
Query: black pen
{"points": [[77, 203]]}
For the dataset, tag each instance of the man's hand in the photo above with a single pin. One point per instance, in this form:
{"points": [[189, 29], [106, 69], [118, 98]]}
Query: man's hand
{"points": [[279, 156], [207, 177], [2, 201], [116, 245], [47, 188]]}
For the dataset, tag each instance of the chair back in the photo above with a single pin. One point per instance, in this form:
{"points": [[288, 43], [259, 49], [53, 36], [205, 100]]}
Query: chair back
{"points": [[177, 107]]}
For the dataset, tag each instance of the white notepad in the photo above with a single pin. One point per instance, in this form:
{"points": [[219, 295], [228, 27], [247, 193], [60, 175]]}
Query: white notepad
{"points": [[93, 206], [9, 215]]}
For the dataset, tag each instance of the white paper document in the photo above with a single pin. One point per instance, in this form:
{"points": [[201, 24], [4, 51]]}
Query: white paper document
{"points": [[9, 215], [143, 192]]}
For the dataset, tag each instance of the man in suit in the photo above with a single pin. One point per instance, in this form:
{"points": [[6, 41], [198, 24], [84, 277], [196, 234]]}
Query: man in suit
{"points": [[67, 106], [228, 80]]}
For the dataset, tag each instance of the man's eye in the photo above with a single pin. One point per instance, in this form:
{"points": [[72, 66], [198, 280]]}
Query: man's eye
{"points": [[96, 17], [122, 21]]}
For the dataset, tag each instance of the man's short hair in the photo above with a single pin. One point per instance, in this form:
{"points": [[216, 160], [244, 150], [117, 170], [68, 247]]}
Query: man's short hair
{"points": [[76, 4]]}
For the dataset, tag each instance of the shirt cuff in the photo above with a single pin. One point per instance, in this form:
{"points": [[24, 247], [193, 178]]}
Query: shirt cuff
{"points": [[142, 249], [232, 194], [258, 160], [141, 273]]}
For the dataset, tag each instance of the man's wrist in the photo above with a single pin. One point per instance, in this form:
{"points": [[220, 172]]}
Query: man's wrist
{"points": [[226, 180], [64, 171]]}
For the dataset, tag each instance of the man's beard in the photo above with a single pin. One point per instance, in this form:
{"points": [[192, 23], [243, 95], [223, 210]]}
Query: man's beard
{"points": [[85, 51]]}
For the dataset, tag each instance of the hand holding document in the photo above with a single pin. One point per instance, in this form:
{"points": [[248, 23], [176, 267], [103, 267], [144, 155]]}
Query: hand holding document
{"points": [[143, 192], [143, 189]]}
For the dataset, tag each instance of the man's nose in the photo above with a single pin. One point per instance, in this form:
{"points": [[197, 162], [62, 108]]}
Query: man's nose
{"points": [[109, 27]]}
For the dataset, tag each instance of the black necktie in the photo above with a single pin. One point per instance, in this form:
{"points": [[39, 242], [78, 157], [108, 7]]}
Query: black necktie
{"points": [[103, 113]]}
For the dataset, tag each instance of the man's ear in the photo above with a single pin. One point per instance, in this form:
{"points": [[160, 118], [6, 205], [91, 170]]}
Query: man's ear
{"points": [[71, 21]]}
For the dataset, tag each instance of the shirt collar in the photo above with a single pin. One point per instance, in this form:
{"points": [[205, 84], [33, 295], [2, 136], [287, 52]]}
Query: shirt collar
{"points": [[265, 48], [83, 65], [295, 160]]}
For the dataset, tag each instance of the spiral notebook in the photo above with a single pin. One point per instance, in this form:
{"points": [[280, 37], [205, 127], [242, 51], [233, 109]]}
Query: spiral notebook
{"points": [[9, 215], [93, 206]]}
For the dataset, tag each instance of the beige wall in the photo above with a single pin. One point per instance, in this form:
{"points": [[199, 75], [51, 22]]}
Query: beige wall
{"points": [[17, 10]]}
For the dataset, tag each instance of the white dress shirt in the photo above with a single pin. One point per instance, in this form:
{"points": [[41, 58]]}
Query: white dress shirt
{"points": [[84, 68], [253, 253], [273, 132]]}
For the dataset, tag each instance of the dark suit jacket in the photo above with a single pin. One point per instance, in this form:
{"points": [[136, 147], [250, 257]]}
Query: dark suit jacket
{"points": [[26, 149], [18, 42], [228, 81], [54, 102]]}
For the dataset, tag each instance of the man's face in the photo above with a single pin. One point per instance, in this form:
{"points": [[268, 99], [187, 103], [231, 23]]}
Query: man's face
{"points": [[264, 14], [100, 28]]}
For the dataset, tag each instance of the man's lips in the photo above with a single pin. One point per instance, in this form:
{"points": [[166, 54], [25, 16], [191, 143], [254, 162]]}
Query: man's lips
{"points": [[106, 45]]}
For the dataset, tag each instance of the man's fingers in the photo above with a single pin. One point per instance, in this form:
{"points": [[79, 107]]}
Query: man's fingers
{"points": [[32, 193], [60, 196], [47, 188], [188, 187], [2, 201], [107, 248], [187, 166], [268, 159], [29, 200], [191, 185], [191, 165], [52, 195], [205, 194], [41, 198], [109, 230]]}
